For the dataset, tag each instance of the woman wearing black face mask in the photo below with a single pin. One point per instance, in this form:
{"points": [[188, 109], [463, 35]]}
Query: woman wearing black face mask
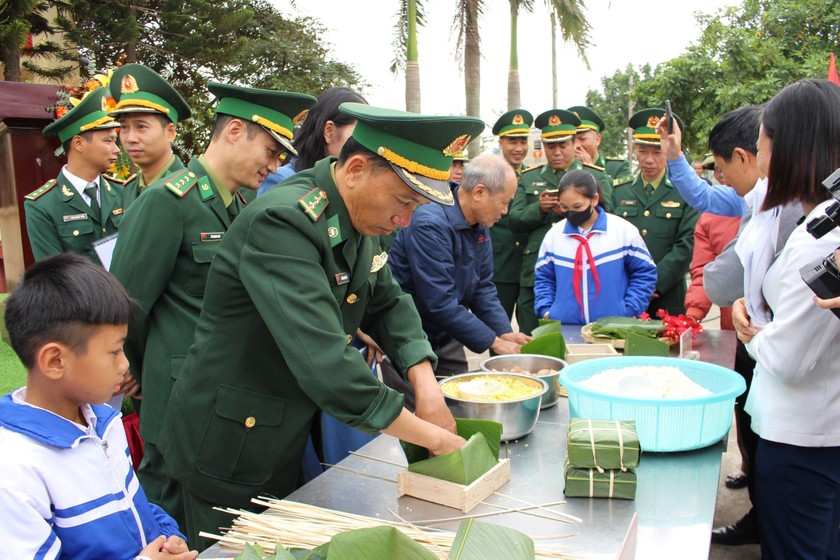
{"points": [[592, 264]]}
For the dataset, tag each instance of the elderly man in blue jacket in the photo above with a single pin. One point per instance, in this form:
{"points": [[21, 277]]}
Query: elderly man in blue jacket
{"points": [[444, 259]]}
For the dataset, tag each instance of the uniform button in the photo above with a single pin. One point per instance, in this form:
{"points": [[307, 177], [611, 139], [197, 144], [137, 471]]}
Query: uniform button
{"points": [[75, 232], [352, 298], [668, 215], [349, 338], [517, 243], [647, 212], [625, 213], [644, 232], [192, 174], [536, 192], [104, 230], [250, 422]]}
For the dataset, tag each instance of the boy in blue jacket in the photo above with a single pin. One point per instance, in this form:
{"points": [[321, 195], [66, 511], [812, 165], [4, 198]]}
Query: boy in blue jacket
{"points": [[67, 489]]}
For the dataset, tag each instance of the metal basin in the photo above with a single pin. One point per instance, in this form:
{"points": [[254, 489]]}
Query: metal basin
{"points": [[531, 363], [518, 417]]}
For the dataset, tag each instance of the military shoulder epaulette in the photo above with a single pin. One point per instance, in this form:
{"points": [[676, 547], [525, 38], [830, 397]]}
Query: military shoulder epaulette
{"points": [[40, 191], [181, 182], [534, 168], [314, 203], [117, 180], [593, 166], [623, 180]]}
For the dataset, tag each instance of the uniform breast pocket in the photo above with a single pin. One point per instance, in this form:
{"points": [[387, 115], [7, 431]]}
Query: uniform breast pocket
{"points": [[667, 220], [627, 211], [77, 234], [243, 440], [203, 254]]}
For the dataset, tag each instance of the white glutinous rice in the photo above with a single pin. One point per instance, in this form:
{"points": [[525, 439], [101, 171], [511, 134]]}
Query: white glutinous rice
{"points": [[666, 382]]}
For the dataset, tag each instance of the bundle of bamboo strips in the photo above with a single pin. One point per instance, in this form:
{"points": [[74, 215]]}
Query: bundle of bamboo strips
{"points": [[296, 525]]}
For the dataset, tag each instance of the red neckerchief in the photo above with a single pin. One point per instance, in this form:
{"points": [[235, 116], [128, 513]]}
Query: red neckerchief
{"points": [[578, 274]]}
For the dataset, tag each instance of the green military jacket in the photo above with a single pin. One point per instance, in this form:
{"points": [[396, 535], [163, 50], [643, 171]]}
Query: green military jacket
{"points": [[525, 216], [133, 188], [58, 219], [508, 247], [162, 257], [666, 223], [616, 168], [290, 284]]}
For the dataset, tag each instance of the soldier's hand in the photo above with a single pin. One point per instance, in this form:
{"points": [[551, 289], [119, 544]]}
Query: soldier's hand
{"points": [[670, 142], [449, 443], [557, 210], [429, 404], [547, 201], [582, 155], [129, 386]]}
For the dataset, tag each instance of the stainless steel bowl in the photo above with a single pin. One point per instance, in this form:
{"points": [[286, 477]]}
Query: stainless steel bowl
{"points": [[518, 417], [532, 363]]}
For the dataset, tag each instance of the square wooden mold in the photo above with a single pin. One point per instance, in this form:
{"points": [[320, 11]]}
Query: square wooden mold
{"points": [[580, 352], [452, 494]]}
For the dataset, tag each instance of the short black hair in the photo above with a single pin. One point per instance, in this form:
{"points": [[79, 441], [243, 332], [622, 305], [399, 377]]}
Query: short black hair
{"points": [[584, 183], [162, 119], [352, 147], [309, 138], [737, 129], [222, 120], [803, 123], [64, 298], [87, 135]]}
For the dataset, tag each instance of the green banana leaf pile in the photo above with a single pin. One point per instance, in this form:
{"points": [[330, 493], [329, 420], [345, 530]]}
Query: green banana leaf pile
{"points": [[548, 340], [476, 457], [618, 327], [473, 541]]}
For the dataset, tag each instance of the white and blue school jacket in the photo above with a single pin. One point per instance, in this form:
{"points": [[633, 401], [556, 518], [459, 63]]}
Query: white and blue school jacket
{"points": [[68, 491], [625, 270]]}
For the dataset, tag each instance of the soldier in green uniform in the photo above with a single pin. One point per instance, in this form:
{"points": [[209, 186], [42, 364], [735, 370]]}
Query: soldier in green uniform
{"points": [[535, 207], [588, 142], [651, 203], [147, 108], [513, 129], [298, 272], [168, 239], [80, 206]]}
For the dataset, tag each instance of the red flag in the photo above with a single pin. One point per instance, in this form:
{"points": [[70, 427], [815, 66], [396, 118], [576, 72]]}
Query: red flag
{"points": [[832, 71]]}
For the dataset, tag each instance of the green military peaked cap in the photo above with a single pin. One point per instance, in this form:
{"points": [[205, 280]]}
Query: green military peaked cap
{"points": [[420, 148], [139, 89], [557, 125], [460, 156], [589, 119], [90, 114], [516, 123], [644, 124], [275, 111]]}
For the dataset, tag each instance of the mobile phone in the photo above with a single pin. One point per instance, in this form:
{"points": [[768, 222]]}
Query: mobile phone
{"points": [[670, 116], [553, 192]]}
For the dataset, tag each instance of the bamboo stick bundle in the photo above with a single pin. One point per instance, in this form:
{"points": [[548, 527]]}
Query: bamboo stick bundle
{"points": [[296, 525]]}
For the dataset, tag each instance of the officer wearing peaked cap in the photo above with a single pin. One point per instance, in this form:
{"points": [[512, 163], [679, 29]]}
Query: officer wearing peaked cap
{"points": [[513, 129], [272, 346], [80, 206], [148, 110], [535, 208], [649, 201], [588, 142], [168, 240]]}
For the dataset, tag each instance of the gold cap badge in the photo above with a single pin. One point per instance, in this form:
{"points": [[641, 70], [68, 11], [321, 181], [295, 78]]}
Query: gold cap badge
{"points": [[554, 120], [457, 146], [652, 122], [517, 119], [129, 84]]}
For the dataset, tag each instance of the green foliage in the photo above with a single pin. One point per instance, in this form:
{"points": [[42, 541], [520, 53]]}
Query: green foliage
{"points": [[482, 541], [619, 327], [548, 340]]}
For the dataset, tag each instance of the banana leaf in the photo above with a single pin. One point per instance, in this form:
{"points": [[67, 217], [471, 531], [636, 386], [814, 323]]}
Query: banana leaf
{"points": [[461, 467], [618, 327], [483, 541], [319, 553], [552, 344], [547, 326], [252, 552], [376, 543], [638, 345], [466, 428]]}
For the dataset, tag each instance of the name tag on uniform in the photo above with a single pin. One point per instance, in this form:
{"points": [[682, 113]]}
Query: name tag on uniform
{"points": [[342, 278], [117, 211], [627, 203], [212, 236], [75, 217], [671, 204], [539, 183]]}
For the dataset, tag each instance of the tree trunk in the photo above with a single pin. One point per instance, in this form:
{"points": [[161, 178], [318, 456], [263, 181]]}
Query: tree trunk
{"points": [[131, 46], [514, 97], [11, 62], [553, 60], [412, 64], [472, 70]]}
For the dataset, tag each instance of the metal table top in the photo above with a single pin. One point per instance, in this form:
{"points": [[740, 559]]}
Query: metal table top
{"points": [[675, 498]]}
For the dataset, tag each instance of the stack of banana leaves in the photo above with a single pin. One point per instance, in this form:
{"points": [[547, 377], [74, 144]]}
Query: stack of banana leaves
{"points": [[619, 327], [548, 340]]}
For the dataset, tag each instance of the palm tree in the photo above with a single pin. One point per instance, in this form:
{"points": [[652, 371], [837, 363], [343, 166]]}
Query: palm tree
{"points": [[410, 16], [469, 51], [568, 14]]}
